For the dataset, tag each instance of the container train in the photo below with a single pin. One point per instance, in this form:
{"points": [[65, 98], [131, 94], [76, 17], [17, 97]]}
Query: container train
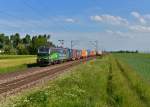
{"points": [[48, 55]]}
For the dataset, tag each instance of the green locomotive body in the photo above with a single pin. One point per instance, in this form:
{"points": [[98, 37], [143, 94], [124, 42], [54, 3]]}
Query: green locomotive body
{"points": [[52, 55]]}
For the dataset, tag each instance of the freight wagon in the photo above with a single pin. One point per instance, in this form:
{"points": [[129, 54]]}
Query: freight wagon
{"points": [[48, 55]]}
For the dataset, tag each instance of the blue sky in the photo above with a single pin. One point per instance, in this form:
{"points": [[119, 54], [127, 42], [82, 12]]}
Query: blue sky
{"points": [[116, 24]]}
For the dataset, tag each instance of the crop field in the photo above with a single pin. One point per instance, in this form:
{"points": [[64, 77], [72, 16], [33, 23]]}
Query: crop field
{"points": [[11, 63], [139, 62], [104, 82]]}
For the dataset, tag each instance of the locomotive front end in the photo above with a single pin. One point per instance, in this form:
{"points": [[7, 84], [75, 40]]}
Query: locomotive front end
{"points": [[43, 56]]}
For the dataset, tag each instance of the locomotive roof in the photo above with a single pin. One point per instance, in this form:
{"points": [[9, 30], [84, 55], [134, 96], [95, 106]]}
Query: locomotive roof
{"points": [[58, 48]]}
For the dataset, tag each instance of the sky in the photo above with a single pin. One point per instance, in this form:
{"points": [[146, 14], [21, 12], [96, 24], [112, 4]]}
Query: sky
{"points": [[115, 24]]}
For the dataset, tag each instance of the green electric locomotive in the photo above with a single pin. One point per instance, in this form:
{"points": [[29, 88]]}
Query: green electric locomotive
{"points": [[48, 55]]}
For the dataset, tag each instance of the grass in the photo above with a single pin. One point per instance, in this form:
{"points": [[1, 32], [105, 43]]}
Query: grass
{"points": [[137, 84], [140, 62], [85, 86], [11, 63], [14, 56], [122, 93], [106, 82]]}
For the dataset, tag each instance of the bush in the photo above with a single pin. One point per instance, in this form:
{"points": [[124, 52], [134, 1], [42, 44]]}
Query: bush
{"points": [[22, 49], [9, 50]]}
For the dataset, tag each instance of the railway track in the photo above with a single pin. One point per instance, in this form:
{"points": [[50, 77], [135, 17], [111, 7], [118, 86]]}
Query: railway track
{"points": [[20, 82]]}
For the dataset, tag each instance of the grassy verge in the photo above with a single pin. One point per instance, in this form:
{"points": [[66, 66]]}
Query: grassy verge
{"points": [[15, 56], [11, 63], [85, 86], [13, 68]]}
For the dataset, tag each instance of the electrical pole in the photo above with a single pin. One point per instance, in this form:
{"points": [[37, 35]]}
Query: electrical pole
{"points": [[95, 44], [61, 43], [73, 43]]}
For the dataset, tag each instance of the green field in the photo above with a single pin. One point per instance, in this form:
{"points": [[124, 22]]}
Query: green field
{"points": [[106, 82], [11, 63], [139, 62]]}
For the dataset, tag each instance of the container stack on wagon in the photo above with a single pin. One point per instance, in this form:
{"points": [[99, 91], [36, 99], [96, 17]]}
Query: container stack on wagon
{"points": [[48, 55], [84, 53], [74, 54], [93, 53], [99, 53]]}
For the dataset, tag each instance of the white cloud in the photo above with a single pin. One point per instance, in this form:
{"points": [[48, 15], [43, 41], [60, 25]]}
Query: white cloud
{"points": [[118, 34], [70, 20], [147, 16], [135, 14], [129, 40], [109, 32], [144, 26], [142, 20], [106, 18], [140, 28], [96, 18], [139, 17]]}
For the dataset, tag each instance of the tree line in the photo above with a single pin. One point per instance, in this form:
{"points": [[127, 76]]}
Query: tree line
{"points": [[16, 44], [124, 51]]}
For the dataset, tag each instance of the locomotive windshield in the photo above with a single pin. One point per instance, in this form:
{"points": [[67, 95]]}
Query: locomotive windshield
{"points": [[43, 50], [42, 54]]}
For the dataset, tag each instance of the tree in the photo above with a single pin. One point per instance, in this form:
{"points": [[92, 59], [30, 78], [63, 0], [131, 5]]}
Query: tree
{"points": [[2, 40], [22, 49], [14, 44], [7, 40], [38, 41], [27, 40], [9, 50], [15, 39]]}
